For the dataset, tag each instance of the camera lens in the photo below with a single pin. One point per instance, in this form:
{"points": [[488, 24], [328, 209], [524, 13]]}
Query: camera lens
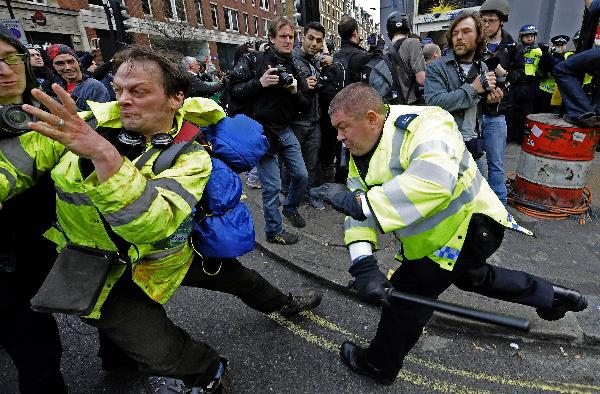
{"points": [[16, 116]]}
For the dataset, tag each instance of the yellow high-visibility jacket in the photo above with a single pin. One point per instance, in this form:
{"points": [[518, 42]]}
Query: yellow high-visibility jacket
{"points": [[423, 185], [144, 209]]}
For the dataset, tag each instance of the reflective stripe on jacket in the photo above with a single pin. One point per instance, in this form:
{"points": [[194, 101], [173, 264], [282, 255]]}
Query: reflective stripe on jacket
{"points": [[532, 59], [423, 185], [144, 209]]}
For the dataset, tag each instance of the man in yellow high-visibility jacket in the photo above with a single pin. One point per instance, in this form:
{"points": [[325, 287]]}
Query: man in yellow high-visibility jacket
{"points": [[411, 174], [108, 195]]}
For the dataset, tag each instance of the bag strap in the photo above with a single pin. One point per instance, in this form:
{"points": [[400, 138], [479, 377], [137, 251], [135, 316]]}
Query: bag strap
{"points": [[187, 135], [396, 56], [398, 61]]}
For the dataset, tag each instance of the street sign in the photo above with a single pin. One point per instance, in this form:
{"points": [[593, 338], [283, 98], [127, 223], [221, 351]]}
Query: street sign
{"points": [[16, 28]]}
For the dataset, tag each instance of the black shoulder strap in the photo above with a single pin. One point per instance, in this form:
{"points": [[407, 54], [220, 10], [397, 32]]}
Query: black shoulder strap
{"points": [[187, 135], [397, 61]]}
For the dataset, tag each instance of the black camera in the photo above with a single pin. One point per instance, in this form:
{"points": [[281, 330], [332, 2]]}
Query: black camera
{"points": [[13, 120], [285, 78], [492, 62], [321, 81]]}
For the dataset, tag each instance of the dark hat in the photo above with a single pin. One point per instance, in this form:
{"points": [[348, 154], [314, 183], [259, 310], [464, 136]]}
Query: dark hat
{"points": [[59, 49], [561, 39], [31, 82]]}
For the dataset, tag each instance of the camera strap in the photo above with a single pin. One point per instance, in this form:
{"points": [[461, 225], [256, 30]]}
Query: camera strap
{"points": [[463, 79]]}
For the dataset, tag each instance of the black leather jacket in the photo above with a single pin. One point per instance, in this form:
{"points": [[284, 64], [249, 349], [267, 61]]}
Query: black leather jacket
{"points": [[275, 106], [306, 67], [355, 56]]}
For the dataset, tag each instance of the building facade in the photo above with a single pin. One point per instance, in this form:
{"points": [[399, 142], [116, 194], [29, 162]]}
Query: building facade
{"points": [[207, 29]]}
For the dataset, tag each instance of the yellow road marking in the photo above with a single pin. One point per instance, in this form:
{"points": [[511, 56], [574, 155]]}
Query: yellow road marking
{"points": [[481, 376], [410, 377]]}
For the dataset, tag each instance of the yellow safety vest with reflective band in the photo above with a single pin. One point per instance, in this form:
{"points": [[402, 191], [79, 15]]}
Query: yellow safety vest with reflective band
{"points": [[423, 185], [548, 85], [144, 209], [532, 59]]}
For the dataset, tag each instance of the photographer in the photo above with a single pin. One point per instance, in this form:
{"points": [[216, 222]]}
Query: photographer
{"points": [[501, 50], [306, 126], [460, 82], [270, 85], [31, 339]]}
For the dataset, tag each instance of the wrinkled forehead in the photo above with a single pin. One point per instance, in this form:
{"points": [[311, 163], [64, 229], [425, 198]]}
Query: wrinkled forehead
{"points": [[133, 72]]}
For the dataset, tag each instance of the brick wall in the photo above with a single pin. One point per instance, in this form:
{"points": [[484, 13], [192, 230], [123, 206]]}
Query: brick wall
{"points": [[74, 5]]}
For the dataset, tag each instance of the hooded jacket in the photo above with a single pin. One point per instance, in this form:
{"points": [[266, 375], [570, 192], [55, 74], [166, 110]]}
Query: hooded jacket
{"points": [[32, 82]]}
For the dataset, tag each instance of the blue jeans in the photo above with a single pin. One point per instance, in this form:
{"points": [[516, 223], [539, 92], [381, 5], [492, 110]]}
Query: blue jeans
{"points": [[494, 139], [268, 170], [569, 74]]}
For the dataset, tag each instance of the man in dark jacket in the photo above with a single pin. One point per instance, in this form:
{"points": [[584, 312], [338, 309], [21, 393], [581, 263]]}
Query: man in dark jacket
{"points": [[568, 74], [270, 86], [501, 46], [31, 338], [306, 126], [81, 86], [354, 58], [199, 87]]}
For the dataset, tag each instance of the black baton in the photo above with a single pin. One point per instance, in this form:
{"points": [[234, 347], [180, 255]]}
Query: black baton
{"points": [[459, 310]]}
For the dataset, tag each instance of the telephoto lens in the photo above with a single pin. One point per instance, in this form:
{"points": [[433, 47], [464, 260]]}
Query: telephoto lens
{"points": [[13, 120]]}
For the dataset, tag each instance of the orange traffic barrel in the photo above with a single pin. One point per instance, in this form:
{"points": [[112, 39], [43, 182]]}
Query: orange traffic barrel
{"points": [[555, 159]]}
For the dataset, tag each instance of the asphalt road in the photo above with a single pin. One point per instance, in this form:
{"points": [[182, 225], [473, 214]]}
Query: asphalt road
{"points": [[269, 354]]}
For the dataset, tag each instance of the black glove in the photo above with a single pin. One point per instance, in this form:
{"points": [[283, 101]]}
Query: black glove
{"points": [[370, 283], [340, 198]]}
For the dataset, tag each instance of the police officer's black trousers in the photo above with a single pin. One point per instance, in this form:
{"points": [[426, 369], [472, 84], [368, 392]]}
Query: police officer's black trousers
{"points": [[401, 324], [30, 338], [134, 329]]}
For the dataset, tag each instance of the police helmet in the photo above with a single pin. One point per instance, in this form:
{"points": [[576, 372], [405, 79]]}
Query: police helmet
{"points": [[527, 29], [499, 7], [396, 23]]}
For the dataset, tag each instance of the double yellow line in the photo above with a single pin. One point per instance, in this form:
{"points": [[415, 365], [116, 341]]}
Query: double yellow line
{"points": [[419, 380]]}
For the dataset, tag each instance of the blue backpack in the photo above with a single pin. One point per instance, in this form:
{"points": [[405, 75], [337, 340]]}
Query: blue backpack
{"points": [[222, 224]]}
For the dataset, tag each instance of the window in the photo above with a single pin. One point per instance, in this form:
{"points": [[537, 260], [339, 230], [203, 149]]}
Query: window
{"points": [[266, 25], [246, 23], [215, 16], [253, 3], [146, 7], [275, 7], [231, 19], [256, 25], [178, 6], [199, 19], [264, 4], [39, 2]]}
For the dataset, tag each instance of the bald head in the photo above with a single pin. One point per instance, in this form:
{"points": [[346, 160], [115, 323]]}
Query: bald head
{"points": [[431, 52]]}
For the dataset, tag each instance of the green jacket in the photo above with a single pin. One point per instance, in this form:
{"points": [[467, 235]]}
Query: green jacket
{"points": [[144, 209], [423, 185]]}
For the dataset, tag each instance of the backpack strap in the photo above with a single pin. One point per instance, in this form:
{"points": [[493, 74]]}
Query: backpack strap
{"points": [[397, 59], [187, 135]]}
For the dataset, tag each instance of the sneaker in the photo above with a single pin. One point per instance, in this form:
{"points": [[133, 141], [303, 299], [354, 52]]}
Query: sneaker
{"points": [[283, 238], [585, 120], [355, 358], [253, 183], [316, 204], [300, 302], [296, 220]]}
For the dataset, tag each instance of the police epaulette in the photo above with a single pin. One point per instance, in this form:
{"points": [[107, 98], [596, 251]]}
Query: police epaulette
{"points": [[403, 121]]}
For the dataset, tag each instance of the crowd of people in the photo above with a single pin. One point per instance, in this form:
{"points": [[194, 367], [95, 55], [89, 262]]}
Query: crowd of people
{"points": [[414, 166]]}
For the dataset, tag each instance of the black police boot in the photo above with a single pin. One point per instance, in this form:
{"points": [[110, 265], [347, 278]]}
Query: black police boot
{"points": [[564, 300], [355, 358]]}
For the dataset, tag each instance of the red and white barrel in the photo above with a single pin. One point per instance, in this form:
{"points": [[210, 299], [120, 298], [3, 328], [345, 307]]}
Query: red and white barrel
{"points": [[555, 159]]}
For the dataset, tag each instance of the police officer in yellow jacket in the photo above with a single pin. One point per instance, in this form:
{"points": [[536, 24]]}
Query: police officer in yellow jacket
{"points": [[103, 195], [411, 174], [533, 59]]}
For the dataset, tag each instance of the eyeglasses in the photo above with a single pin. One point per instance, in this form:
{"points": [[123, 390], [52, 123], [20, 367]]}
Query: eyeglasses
{"points": [[13, 60], [489, 21]]}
